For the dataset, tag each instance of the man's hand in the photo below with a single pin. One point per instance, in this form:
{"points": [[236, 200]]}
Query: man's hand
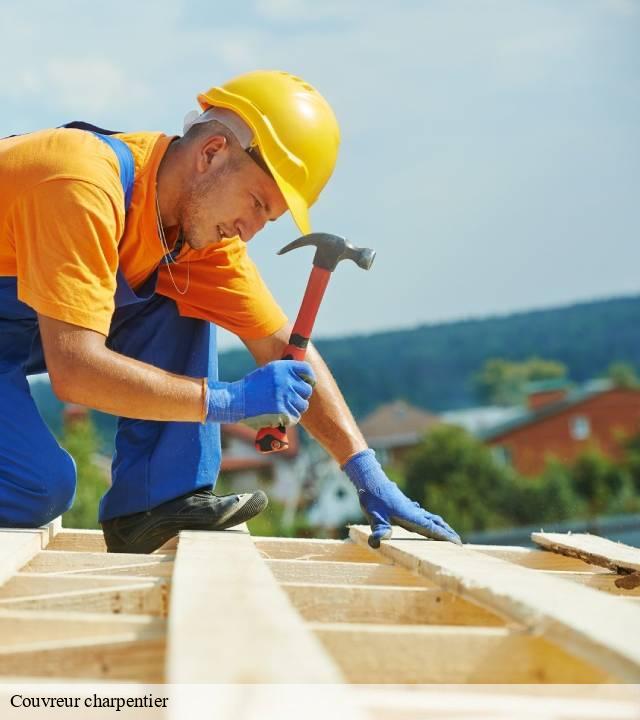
{"points": [[385, 504], [275, 394]]}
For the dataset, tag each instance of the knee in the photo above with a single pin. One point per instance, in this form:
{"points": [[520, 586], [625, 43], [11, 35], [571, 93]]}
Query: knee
{"points": [[55, 494], [62, 491]]}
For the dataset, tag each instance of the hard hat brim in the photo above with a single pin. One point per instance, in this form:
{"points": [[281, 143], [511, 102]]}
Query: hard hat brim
{"points": [[295, 202]]}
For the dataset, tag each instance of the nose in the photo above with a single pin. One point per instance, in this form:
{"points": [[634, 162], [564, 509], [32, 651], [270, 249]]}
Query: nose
{"points": [[252, 227]]}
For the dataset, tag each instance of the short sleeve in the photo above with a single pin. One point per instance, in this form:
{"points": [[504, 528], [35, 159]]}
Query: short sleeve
{"points": [[66, 244], [224, 287]]}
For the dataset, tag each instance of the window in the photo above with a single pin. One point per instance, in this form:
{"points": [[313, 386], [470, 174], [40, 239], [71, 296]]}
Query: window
{"points": [[579, 427], [501, 454]]}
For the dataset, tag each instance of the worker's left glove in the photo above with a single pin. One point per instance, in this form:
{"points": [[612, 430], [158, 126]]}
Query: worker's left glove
{"points": [[385, 504]]}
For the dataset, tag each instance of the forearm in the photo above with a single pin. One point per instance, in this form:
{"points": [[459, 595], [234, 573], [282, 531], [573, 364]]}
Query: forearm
{"points": [[328, 418], [122, 386], [83, 370]]}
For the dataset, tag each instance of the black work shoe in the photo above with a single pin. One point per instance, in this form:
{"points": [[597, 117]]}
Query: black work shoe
{"points": [[145, 532]]}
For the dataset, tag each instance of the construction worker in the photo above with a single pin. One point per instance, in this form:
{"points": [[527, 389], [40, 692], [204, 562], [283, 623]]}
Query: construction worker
{"points": [[119, 256]]}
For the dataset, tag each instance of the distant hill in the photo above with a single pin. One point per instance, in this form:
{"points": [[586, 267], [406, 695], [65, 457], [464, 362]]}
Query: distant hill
{"points": [[432, 366]]}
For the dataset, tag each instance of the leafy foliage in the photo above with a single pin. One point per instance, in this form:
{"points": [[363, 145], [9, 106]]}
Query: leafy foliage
{"points": [[81, 441], [623, 375], [501, 382], [455, 475]]}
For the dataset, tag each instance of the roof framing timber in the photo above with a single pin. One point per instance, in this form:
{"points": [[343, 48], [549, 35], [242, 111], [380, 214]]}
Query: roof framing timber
{"points": [[227, 608], [238, 614], [591, 549], [592, 625]]}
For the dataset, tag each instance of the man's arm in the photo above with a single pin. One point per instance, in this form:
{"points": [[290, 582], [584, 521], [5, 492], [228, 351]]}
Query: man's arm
{"points": [[83, 370], [328, 418]]}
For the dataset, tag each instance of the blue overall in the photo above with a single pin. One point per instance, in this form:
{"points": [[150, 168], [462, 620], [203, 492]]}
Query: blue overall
{"points": [[154, 461]]}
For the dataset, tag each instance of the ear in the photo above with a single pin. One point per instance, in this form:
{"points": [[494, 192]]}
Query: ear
{"points": [[209, 149]]}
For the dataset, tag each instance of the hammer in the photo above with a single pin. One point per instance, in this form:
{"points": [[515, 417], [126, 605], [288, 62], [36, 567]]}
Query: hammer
{"points": [[330, 250]]}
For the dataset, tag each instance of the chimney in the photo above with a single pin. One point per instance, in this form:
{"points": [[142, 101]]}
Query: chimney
{"points": [[545, 393]]}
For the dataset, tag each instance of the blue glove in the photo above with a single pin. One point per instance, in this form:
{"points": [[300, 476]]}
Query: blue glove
{"points": [[385, 504], [276, 394]]}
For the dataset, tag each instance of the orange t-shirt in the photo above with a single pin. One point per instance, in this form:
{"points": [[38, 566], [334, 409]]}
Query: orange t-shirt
{"points": [[63, 236]]}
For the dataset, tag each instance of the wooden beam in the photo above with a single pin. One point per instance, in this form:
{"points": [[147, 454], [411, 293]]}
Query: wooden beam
{"points": [[606, 582], [139, 658], [418, 654], [26, 628], [148, 596], [315, 550], [344, 573], [18, 546], [64, 562], [78, 540], [591, 625], [384, 604], [535, 559], [229, 621], [592, 549]]}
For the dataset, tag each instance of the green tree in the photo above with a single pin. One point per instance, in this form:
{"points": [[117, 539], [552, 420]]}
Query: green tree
{"points": [[503, 382], [548, 498], [80, 439], [623, 375], [631, 460], [454, 474], [604, 486]]}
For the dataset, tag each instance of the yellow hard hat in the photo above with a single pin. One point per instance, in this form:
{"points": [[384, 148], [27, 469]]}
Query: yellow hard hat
{"points": [[294, 128]]}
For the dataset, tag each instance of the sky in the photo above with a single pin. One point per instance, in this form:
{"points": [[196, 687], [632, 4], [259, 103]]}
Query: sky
{"points": [[490, 148]]}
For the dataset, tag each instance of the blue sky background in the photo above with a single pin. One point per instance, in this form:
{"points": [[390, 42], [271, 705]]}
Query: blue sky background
{"points": [[490, 148]]}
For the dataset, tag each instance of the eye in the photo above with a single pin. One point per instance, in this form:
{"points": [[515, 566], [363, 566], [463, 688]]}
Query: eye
{"points": [[257, 204]]}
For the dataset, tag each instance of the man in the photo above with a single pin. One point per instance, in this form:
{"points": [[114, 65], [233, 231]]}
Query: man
{"points": [[119, 254]]}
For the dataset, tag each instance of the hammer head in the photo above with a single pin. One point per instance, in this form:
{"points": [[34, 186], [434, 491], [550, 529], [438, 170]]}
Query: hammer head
{"points": [[331, 249]]}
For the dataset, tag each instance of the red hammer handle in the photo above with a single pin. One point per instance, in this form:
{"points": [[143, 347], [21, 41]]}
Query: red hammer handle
{"points": [[274, 439]]}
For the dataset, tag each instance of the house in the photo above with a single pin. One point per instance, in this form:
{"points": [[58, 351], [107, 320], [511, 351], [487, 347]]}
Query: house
{"points": [[478, 420], [246, 468], [562, 423], [395, 428], [334, 500]]}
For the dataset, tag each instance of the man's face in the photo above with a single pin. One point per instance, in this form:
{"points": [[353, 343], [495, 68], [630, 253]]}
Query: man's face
{"points": [[230, 195]]}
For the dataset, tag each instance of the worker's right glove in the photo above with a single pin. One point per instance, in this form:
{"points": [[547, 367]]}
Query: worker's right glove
{"points": [[276, 394]]}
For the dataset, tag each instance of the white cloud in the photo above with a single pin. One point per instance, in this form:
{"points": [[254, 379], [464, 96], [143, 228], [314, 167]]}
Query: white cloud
{"points": [[92, 86]]}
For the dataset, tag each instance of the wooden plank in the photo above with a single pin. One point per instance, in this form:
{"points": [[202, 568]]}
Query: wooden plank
{"points": [[589, 624], [536, 559], [147, 596], [315, 550], [138, 658], [418, 654], [229, 621], [27, 628], [592, 549], [18, 546], [606, 582], [78, 540], [63, 562], [384, 604], [344, 573]]}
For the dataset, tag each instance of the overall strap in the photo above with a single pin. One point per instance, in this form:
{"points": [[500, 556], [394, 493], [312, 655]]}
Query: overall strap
{"points": [[121, 150]]}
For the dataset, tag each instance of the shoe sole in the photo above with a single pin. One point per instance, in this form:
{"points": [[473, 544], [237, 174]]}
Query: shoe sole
{"points": [[250, 505]]}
